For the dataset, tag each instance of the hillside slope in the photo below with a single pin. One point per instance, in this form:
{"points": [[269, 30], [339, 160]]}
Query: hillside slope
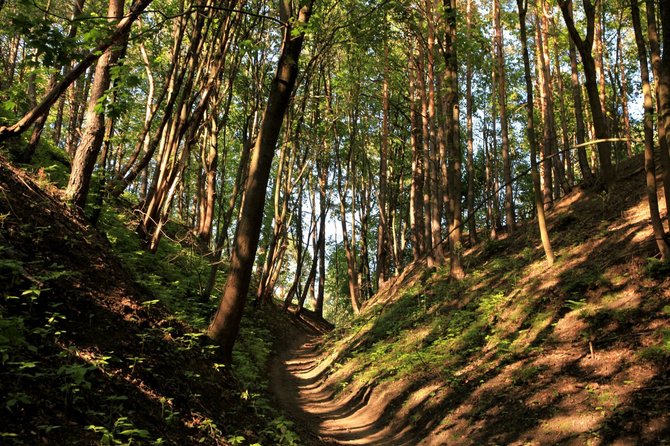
{"points": [[517, 353], [88, 356]]}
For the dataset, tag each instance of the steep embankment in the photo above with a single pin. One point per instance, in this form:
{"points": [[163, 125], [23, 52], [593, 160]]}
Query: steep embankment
{"points": [[88, 356], [517, 353]]}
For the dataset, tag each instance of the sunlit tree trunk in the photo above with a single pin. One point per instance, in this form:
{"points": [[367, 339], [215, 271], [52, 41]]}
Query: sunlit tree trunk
{"points": [[649, 162], [416, 188], [470, 165], [549, 116], [322, 169], [352, 270], [383, 226], [426, 137], [565, 139], [94, 121], [624, 94], [454, 140], [580, 131], [530, 133], [504, 126]]}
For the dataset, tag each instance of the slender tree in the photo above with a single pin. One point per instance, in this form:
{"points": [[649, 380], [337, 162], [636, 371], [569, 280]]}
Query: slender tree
{"points": [[225, 325], [649, 162], [585, 47], [522, 6], [94, 131]]}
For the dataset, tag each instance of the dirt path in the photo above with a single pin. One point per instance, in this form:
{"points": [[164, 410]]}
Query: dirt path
{"points": [[322, 418]]}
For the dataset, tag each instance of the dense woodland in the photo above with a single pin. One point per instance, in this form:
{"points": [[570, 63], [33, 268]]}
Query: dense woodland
{"points": [[312, 151]]}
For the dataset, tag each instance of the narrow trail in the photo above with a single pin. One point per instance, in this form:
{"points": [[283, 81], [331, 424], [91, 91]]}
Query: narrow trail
{"points": [[322, 417]]}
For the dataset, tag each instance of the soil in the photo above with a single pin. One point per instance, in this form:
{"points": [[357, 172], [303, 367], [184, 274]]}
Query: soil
{"points": [[322, 417]]}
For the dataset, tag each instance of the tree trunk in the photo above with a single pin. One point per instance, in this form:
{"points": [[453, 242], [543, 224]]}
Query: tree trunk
{"points": [[550, 119], [504, 126], [649, 163], [624, 94], [530, 133], [661, 70], [383, 227], [226, 323], [94, 121], [580, 131], [470, 165], [454, 139], [416, 188], [585, 47], [322, 168]]}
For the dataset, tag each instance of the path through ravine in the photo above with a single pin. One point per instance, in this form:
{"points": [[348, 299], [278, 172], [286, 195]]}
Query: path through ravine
{"points": [[321, 416]]}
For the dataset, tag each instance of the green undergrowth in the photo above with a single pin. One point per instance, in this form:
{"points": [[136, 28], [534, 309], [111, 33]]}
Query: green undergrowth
{"points": [[89, 357], [439, 326], [177, 274], [503, 312]]}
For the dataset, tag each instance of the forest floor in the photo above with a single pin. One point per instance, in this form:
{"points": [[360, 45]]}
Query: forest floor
{"points": [[102, 344], [516, 354], [89, 355], [321, 418]]}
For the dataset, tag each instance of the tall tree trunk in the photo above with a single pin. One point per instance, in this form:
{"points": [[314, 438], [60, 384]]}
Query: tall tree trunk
{"points": [[226, 323], [470, 165], [585, 47], [567, 156], [383, 227], [352, 271], [580, 131], [624, 94], [426, 136], [649, 162], [548, 135], [416, 188], [94, 121], [504, 126], [530, 133], [550, 120], [661, 70], [322, 169], [454, 140], [599, 56]]}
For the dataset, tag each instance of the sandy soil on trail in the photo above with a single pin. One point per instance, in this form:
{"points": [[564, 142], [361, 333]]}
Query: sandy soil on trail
{"points": [[321, 417]]}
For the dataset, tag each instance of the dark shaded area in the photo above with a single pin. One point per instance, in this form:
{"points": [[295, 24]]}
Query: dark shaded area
{"points": [[83, 359]]}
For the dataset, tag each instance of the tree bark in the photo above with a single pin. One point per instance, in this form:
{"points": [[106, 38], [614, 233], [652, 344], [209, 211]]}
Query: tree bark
{"points": [[530, 133], [661, 70], [585, 47], [470, 165], [504, 126], [383, 226], [416, 188], [225, 326], [456, 270], [649, 162], [580, 130], [94, 121]]}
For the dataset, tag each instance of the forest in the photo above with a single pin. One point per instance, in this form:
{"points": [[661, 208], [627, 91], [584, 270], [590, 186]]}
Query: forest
{"points": [[312, 222]]}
